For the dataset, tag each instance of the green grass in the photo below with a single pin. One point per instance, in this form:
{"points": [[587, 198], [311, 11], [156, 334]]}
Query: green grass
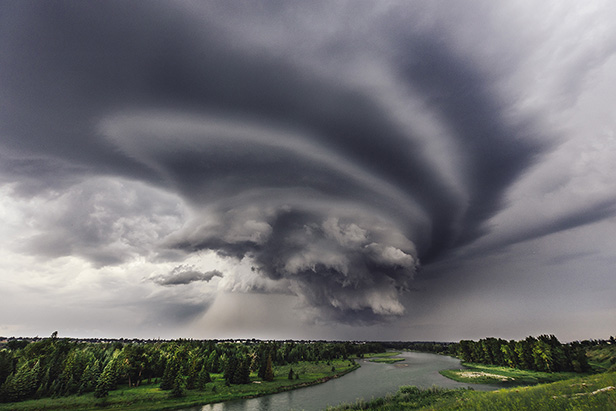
{"points": [[582, 393], [150, 397], [602, 358], [503, 376], [384, 357], [409, 398], [381, 354], [595, 392], [387, 360]]}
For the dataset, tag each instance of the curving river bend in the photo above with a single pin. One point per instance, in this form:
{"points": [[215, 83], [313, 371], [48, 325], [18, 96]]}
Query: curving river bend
{"points": [[371, 380]]}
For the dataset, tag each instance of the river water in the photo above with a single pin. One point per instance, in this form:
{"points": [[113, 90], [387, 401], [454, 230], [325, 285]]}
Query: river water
{"points": [[372, 380]]}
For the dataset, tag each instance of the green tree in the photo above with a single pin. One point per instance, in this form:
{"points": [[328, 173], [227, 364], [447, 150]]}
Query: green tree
{"points": [[268, 374], [542, 356], [22, 384], [176, 365], [178, 388], [213, 362], [241, 374], [194, 366], [74, 367], [89, 378], [107, 380], [203, 378], [524, 352], [510, 357], [7, 365], [230, 367], [169, 375], [134, 361], [465, 350]]}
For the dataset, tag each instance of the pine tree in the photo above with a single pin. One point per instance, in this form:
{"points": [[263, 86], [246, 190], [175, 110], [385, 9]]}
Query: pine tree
{"points": [[22, 384], [6, 365], [179, 386], [269, 372], [169, 375], [107, 380], [213, 362], [229, 373], [89, 377], [241, 374], [192, 371], [203, 378]]}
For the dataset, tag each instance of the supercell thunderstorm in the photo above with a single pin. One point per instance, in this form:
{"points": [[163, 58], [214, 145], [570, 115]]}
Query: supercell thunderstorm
{"points": [[335, 148]]}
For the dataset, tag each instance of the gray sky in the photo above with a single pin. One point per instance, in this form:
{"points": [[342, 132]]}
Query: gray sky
{"points": [[344, 170]]}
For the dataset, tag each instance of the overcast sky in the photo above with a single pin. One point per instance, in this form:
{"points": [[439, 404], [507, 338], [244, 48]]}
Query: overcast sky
{"points": [[406, 170]]}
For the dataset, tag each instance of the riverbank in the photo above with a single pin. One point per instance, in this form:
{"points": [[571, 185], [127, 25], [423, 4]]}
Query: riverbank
{"points": [[595, 392], [389, 357], [504, 377], [372, 380], [150, 396]]}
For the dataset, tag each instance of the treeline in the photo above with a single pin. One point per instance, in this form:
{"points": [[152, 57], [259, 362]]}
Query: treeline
{"points": [[421, 346], [55, 367], [544, 353]]}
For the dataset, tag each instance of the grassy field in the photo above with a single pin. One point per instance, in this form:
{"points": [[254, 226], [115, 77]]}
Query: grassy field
{"points": [[384, 357], [149, 396], [503, 376], [595, 392], [407, 398], [387, 360], [602, 358], [381, 354]]}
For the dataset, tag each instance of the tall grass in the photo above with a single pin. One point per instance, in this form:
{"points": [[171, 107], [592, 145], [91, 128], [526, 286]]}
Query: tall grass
{"points": [[408, 397], [587, 393], [602, 358], [504, 376], [596, 392]]}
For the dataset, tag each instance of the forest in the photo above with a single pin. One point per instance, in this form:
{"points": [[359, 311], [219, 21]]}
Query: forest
{"points": [[57, 367], [544, 353], [65, 368]]}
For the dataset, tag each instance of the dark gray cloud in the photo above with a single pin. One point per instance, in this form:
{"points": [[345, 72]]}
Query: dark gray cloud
{"points": [[593, 213], [185, 274], [351, 272], [496, 151], [333, 147], [105, 221]]}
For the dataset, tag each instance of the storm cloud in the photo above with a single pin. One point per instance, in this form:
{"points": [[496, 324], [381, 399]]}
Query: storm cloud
{"points": [[334, 148], [185, 274]]}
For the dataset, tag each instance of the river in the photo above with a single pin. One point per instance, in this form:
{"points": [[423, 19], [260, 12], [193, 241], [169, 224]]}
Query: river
{"points": [[372, 380]]}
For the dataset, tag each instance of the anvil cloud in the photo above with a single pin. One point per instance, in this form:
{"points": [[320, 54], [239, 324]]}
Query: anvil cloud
{"points": [[362, 164]]}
